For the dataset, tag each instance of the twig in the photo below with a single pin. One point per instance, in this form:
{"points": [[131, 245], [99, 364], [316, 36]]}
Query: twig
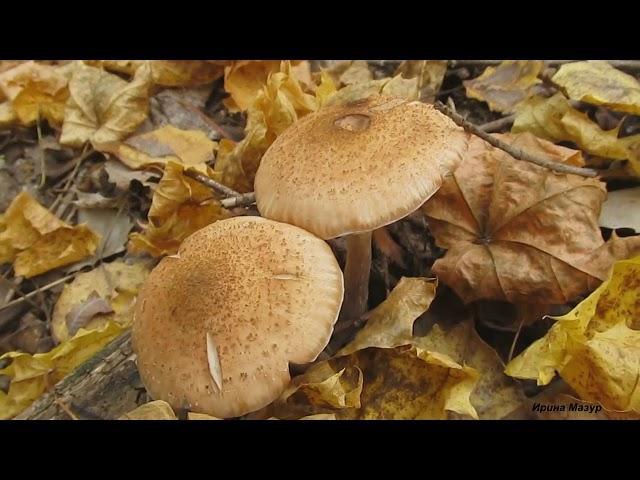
{"points": [[498, 124], [37, 290], [515, 338], [209, 182], [65, 409], [234, 199], [242, 200], [515, 152]]}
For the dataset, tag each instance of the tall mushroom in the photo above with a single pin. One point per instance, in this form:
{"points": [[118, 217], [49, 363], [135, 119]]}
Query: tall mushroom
{"points": [[350, 169], [217, 324]]}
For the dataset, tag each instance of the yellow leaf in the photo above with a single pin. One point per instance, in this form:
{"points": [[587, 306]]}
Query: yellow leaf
{"points": [[192, 148], [36, 91], [156, 410], [200, 416], [387, 373], [505, 86], [599, 83], [554, 119], [37, 241], [326, 88], [596, 347], [7, 115], [32, 375], [180, 206], [167, 73], [394, 86], [117, 283], [277, 105], [357, 72], [102, 107], [244, 80]]}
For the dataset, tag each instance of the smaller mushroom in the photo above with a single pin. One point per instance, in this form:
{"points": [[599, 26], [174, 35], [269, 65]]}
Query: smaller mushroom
{"points": [[349, 169], [217, 324]]}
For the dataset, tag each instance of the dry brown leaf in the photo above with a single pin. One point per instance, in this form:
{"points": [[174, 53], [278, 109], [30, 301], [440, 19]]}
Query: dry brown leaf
{"points": [[115, 283], [520, 233], [430, 75], [102, 107], [387, 373], [180, 206], [192, 148], [597, 82], [36, 241], [505, 86]]}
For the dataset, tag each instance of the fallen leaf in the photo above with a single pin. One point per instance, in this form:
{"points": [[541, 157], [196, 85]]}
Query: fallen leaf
{"points": [[112, 225], [180, 206], [156, 410], [518, 232], [554, 119], [200, 416], [192, 148], [82, 314], [122, 176], [277, 105], [35, 91], [33, 375], [387, 373], [357, 72], [117, 283], [102, 107], [36, 241], [243, 80], [183, 109], [621, 209], [429, 73], [507, 85], [595, 348], [395, 86], [597, 82], [326, 88], [7, 115], [168, 73]]}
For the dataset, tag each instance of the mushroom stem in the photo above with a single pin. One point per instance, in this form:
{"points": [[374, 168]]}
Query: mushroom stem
{"points": [[356, 276]]}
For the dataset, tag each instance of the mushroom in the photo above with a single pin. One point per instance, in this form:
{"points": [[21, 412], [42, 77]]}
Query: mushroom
{"points": [[217, 324], [349, 169]]}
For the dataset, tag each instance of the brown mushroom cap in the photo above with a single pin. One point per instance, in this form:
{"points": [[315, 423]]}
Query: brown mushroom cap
{"points": [[357, 167], [263, 293]]}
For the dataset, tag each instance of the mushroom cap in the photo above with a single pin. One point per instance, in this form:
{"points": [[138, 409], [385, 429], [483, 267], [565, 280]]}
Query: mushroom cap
{"points": [[352, 168], [247, 293]]}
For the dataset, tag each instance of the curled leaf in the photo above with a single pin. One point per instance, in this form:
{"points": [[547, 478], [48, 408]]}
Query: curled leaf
{"points": [[180, 206], [32, 375], [597, 82], [596, 347], [507, 85], [81, 314], [36, 241], [517, 232]]}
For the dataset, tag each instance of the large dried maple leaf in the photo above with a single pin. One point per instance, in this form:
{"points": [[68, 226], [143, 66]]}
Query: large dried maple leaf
{"points": [[521, 233]]}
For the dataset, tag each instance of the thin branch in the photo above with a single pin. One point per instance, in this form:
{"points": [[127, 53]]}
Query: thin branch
{"points": [[515, 152], [37, 290], [498, 124], [234, 199], [209, 182], [242, 200]]}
